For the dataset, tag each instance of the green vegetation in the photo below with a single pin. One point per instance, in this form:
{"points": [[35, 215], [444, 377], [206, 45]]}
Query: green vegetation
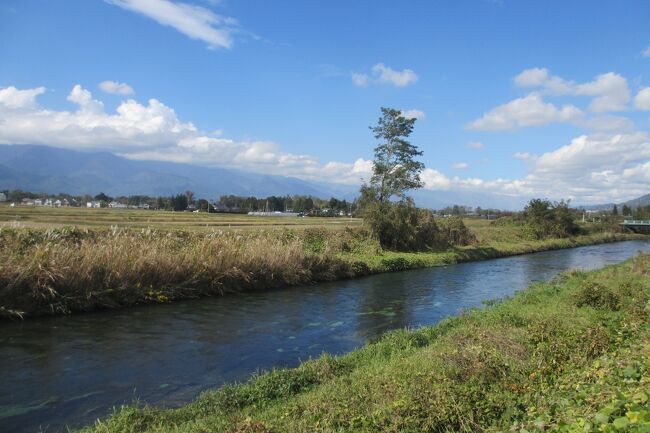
{"points": [[545, 219], [62, 270], [572, 355]]}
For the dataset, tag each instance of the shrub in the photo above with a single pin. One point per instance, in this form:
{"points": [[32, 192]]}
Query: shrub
{"points": [[454, 232], [597, 296], [403, 227]]}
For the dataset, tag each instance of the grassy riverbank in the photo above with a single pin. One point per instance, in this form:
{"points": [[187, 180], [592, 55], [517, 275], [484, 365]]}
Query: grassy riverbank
{"points": [[570, 355], [64, 270]]}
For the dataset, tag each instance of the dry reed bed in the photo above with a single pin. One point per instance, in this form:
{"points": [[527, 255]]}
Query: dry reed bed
{"points": [[64, 270]]}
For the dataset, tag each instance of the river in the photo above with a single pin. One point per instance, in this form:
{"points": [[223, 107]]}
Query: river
{"points": [[72, 370]]}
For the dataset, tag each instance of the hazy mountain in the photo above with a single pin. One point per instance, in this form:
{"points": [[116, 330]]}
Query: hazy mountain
{"points": [[644, 200], [54, 170]]}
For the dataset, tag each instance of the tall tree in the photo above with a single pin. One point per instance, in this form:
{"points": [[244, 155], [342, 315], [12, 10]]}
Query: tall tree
{"points": [[395, 169]]}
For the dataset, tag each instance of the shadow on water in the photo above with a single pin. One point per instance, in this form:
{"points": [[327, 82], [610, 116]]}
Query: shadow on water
{"points": [[71, 370]]}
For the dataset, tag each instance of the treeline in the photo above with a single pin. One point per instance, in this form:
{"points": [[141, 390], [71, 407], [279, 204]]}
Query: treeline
{"points": [[307, 205], [469, 211], [639, 213], [289, 203]]}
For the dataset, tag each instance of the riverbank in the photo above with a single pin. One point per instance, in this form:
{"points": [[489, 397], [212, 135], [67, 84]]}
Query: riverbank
{"points": [[568, 355], [62, 271]]}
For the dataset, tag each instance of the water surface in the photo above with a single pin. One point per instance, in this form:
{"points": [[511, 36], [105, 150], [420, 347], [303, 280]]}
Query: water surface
{"points": [[71, 370]]}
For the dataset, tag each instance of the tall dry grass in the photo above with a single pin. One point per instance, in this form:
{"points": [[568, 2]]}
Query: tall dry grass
{"points": [[63, 270]]}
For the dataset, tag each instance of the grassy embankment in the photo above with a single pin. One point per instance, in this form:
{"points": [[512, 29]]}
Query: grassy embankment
{"points": [[572, 355], [61, 270]]}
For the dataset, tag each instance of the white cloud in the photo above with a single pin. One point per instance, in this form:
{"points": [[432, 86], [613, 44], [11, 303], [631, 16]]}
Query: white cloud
{"points": [[413, 114], [646, 52], [435, 180], [610, 90], [540, 77], [642, 99], [116, 88], [596, 168], [193, 21], [382, 74], [360, 80], [475, 145], [153, 131], [460, 166], [14, 98], [391, 76], [531, 110]]}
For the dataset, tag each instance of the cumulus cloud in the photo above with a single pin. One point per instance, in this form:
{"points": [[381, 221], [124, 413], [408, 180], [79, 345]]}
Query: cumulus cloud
{"points": [[646, 52], [610, 90], [397, 78], [10, 97], [116, 88], [193, 21], [541, 77], [642, 99], [153, 131], [413, 114], [531, 110], [382, 74], [594, 168]]}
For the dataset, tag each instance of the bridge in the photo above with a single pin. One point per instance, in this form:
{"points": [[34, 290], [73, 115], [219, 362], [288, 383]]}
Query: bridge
{"points": [[638, 226]]}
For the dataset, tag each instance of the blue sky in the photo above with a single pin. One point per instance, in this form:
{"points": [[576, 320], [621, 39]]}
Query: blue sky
{"points": [[517, 99]]}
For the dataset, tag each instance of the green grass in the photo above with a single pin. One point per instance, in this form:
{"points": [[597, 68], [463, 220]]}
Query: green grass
{"points": [[572, 355], [63, 270]]}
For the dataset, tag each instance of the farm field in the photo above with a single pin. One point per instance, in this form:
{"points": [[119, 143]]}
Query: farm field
{"points": [[48, 217]]}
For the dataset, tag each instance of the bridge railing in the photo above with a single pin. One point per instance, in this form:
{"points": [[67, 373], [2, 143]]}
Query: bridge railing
{"points": [[636, 222]]}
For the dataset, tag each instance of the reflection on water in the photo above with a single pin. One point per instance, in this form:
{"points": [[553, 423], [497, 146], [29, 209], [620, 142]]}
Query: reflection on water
{"points": [[71, 370]]}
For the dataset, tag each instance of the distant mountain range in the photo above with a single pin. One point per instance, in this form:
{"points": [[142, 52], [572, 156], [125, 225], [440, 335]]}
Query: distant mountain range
{"points": [[53, 170], [644, 200]]}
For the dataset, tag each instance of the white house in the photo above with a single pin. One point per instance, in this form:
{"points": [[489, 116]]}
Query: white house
{"points": [[3, 196], [94, 204]]}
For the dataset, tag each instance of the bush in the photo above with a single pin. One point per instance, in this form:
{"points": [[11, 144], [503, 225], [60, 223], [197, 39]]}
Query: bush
{"points": [[597, 296], [403, 227], [545, 219], [454, 232]]}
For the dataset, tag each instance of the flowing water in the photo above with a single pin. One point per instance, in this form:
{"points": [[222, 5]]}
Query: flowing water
{"points": [[71, 370]]}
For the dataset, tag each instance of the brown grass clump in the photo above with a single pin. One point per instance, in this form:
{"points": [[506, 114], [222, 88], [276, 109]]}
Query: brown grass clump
{"points": [[64, 270]]}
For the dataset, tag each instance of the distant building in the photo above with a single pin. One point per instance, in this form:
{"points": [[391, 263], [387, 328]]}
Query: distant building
{"points": [[94, 204], [3, 196], [117, 205]]}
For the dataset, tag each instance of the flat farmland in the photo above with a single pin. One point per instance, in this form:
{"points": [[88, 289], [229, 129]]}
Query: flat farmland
{"points": [[46, 217]]}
